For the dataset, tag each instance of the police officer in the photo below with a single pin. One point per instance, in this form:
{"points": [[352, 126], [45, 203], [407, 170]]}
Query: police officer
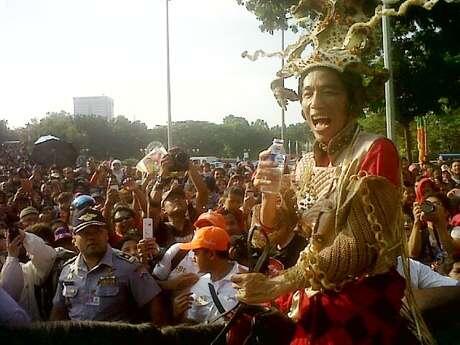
{"points": [[102, 283]]}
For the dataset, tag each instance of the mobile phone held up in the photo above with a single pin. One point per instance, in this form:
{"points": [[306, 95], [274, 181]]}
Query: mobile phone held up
{"points": [[147, 228]]}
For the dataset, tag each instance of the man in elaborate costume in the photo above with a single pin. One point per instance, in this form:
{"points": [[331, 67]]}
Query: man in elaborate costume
{"points": [[345, 195]]}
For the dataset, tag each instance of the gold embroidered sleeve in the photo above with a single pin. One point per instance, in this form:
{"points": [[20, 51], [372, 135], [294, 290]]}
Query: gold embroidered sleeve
{"points": [[367, 239]]}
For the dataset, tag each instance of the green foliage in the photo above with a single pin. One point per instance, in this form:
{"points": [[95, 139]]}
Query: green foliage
{"points": [[121, 138], [5, 132], [272, 13], [426, 58], [443, 133], [124, 139]]}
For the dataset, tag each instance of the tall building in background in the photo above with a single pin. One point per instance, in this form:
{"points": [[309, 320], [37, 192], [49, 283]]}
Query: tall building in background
{"points": [[97, 105]]}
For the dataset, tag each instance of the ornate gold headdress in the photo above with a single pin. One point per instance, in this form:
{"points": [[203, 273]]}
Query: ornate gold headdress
{"points": [[341, 37]]}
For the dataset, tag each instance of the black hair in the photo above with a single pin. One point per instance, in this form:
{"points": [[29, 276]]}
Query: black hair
{"points": [[122, 207], [128, 237], [235, 190], [445, 201], [222, 254], [240, 249], [42, 230], [354, 87], [64, 196], [57, 221], [210, 183]]}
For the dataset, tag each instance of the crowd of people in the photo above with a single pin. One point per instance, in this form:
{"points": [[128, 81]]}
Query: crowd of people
{"points": [[431, 200], [103, 242], [75, 243], [340, 246]]}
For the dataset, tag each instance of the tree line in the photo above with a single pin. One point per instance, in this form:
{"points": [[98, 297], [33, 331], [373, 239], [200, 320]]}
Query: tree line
{"points": [[123, 139]]}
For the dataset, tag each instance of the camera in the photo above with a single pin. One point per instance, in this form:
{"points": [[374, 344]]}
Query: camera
{"points": [[427, 207], [179, 159]]}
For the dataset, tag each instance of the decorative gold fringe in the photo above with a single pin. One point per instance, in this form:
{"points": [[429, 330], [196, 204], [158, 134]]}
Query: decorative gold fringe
{"points": [[410, 310]]}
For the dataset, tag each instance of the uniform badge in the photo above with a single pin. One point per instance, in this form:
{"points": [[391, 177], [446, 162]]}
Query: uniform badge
{"points": [[94, 300]]}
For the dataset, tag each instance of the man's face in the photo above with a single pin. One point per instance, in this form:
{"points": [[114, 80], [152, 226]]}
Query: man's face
{"points": [[126, 196], [68, 173], [116, 166], [46, 216], [324, 104], [219, 174], [233, 202], [29, 220], [64, 205], [203, 260], [3, 233], [233, 227], [428, 191], [129, 247], [455, 272], [123, 221], [221, 185], [408, 195], [175, 206], [404, 163], [456, 168], [92, 241]]}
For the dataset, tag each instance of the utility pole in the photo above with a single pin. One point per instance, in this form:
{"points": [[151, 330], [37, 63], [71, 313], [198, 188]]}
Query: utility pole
{"points": [[168, 76], [283, 125], [389, 87]]}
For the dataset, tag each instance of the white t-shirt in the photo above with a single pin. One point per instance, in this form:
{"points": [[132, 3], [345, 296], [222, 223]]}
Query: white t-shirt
{"points": [[423, 277], [203, 308], [163, 270]]}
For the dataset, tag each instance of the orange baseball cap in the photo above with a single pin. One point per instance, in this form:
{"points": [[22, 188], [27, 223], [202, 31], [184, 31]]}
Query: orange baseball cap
{"points": [[209, 237], [211, 219]]}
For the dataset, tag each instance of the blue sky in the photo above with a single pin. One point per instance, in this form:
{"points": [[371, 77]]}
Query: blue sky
{"points": [[53, 50]]}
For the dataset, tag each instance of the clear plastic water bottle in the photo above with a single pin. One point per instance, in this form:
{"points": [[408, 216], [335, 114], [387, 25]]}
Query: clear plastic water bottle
{"points": [[278, 156]]}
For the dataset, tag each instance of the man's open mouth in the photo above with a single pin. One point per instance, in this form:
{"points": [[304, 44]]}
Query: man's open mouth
{"points": [[321, 122]]}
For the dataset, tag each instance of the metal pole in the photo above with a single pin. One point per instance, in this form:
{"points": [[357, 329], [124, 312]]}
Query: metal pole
{"points": [[283, 126], [168, 76], [389, 88]]}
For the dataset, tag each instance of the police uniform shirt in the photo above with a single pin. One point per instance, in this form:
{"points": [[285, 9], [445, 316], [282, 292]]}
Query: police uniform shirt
{"points": [[113, 290]]}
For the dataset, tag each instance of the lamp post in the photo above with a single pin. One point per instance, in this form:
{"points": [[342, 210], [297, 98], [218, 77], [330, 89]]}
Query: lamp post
{"points": [[168, 76], [283, 126], [389, 88]]}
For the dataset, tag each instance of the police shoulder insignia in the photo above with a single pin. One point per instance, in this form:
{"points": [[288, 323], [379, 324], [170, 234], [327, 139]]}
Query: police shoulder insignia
{"points": [[87, 217], [126, 257]]}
